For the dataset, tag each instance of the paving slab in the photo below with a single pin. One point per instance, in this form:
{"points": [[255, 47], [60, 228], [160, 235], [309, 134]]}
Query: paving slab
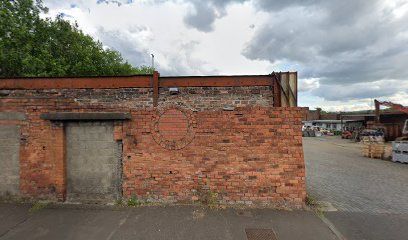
{"points": [[12, 215], [203, 223], [370, 195], [336, 172], [359, 226], [175, 222], [67, 224]]}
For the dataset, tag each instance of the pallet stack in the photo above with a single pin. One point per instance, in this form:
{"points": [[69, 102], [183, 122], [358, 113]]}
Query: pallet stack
{"points": [[374, 150], [388, 152]]}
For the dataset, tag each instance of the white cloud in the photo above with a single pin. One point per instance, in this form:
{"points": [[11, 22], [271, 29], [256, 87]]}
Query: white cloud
{"points": [[346, 52], [362, 90], [308, 84], [357, 49]]}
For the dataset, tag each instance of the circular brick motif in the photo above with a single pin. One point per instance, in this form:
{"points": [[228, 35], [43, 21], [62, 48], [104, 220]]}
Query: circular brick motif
{"points": [[173, 125], [173, 128]]}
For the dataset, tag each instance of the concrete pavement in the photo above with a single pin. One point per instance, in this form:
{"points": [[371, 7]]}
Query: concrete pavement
{"points": [[175, 222], [370, 226], [370, 196]]}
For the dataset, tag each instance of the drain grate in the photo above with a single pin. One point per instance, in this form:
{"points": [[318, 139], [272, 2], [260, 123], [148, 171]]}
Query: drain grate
{"points": [[260, 234]]}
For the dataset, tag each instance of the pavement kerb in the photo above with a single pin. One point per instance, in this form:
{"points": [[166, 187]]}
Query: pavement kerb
{"points": [[331, 226]]}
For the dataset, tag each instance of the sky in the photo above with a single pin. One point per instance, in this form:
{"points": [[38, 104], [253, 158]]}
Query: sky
{"points": [[346, 53]]}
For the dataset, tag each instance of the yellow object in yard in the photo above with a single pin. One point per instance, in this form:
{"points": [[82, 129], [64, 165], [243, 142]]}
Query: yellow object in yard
{"points": [[376, 150]]}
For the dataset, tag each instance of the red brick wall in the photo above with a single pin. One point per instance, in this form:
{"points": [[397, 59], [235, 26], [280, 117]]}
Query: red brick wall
{"points": [[251, 154], [312, 115], [247, 155]]}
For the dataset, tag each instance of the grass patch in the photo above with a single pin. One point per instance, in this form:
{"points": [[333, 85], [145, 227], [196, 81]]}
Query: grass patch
{"points": [[210, 199], [119, 202], [314, 204], [38, 206], [311, 201], [134, 202]]}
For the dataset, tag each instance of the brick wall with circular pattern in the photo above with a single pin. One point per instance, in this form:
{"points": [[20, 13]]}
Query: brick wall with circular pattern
{"points": [[173, 128]]}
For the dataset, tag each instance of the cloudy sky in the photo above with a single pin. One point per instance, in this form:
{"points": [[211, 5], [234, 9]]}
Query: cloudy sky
{"points": [[346, 52]]}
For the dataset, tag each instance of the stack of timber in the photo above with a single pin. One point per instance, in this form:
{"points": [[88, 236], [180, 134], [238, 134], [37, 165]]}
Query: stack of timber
{"points": [[388, 152]]}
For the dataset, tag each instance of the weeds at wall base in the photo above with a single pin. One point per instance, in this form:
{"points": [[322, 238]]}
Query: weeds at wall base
{"points": [[38, 206], [314, 205]]}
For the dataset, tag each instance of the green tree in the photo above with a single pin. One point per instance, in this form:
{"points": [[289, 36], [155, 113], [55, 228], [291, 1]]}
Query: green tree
{"points": [[33, 46]]}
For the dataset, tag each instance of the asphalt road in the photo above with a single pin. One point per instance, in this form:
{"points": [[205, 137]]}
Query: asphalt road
{"points": [[370, 195]]}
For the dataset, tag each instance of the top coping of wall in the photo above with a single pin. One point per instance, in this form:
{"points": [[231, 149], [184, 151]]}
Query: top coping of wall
{"points": [[136, 81]]}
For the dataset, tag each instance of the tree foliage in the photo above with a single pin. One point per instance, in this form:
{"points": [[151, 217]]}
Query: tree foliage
{"points": [[34, 46]]}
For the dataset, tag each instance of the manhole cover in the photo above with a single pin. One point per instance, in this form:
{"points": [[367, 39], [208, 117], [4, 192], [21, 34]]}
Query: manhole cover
{"points": [[260, 234]]}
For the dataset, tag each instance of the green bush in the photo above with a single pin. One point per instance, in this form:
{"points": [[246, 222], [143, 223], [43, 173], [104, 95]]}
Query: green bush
{"points": [[32, 46]]}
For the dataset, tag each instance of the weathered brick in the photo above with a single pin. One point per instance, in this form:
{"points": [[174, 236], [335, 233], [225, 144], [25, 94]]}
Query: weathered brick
{"points": [[252, 153]]}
